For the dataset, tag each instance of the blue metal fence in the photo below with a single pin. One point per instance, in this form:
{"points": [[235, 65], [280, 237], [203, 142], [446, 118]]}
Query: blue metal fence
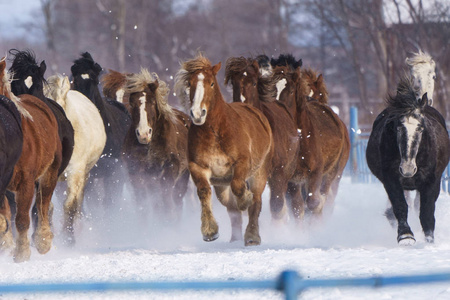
{"points": [[358, 167], [289, 282]]}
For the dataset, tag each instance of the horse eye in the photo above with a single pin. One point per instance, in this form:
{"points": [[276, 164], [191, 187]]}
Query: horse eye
{"points": [[254, 83], [419, 128], [434, 77], [212, 84]]}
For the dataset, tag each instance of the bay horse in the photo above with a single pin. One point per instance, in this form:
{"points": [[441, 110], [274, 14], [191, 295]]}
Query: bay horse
{"points": [[155, 148], [28, 78], [114, 84], [116, 121], [230, 145], [423, 72], [409, 149], [324, 141], [316, 83], [37, 168], [90, 139], [252, 86]]}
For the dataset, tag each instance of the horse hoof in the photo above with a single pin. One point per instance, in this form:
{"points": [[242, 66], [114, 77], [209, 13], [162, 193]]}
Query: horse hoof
{"points": [[429, 239], [406, 239], [255, 242], [211, 238]]}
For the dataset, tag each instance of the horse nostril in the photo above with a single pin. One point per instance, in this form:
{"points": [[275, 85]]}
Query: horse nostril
{"points": [[137, 132], [150, 131], [192, 114], [203, 112]]}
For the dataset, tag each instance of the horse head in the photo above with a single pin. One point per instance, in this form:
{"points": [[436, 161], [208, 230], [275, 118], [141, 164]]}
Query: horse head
{"points": [[423, 71], [148, 103], [197, 80], [28, 75], [316, 84], [409, 123], [243, 74], [57, 89], [86, 74]]}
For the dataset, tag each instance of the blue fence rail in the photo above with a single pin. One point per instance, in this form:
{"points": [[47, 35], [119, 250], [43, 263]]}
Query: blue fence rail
{"points": [[289, 282], [358, 167]]}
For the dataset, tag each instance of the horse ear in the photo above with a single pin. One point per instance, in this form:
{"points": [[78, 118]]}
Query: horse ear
{"points": [[255, 65], [43, 67], [300, 62], [320, 78], [2, 64], [423, 101], [216, 68]]}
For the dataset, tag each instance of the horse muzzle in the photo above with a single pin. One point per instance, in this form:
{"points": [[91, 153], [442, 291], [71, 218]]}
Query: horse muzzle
{"points": [[408, 170]]}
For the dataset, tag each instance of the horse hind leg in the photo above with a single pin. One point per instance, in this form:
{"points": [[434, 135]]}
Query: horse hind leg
{"points": [[6, 237], [24, 197], [227, 198], [278, 188]]}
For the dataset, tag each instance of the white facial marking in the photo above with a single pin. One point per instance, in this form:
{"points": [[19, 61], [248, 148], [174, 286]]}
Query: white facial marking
{"points": [[29, 82], [243, 98], [410, 125], [311, 93], [423, 75], [119, 95], [196, 108], [85, 76], [245, 74], [143, 126], [280, 87]]}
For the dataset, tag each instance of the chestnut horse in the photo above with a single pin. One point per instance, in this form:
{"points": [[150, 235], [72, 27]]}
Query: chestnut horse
{"points": [[230, 145], [316, 84], [116, 119], [90, 139], [114, 84], [252, 87], [155, 148], [37, 167], [324, 143]]}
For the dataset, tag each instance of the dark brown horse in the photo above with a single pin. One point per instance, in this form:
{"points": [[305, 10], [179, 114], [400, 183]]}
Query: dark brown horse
{"points": [[114, 84], [155, 148], [230, 146], [324, 143], [251, 87], [38, 167]]}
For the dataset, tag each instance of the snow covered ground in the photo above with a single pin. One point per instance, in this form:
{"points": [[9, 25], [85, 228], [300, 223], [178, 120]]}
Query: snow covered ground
{"points": [[355, 241]]}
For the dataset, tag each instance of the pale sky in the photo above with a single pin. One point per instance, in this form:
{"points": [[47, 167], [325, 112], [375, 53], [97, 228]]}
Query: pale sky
{"points": [[15, 12]]}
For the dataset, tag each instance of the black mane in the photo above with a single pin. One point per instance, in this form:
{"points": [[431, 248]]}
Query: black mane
{"points": [[286, 60], [405, 101], [85, 64], [24, 63]]}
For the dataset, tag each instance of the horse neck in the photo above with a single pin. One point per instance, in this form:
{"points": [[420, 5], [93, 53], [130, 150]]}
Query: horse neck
{"points": [[217, 112]]}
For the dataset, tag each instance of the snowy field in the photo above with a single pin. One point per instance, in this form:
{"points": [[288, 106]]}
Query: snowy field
{"points": [[355, 241]]}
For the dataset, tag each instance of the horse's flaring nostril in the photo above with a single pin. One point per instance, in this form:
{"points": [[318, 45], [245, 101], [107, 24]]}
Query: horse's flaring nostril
{"points": [[137, 132], [203, 112], [150, 131]]}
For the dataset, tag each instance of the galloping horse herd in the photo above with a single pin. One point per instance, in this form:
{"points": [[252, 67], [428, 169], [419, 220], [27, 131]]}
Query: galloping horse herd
{"points": [[278, 130]]}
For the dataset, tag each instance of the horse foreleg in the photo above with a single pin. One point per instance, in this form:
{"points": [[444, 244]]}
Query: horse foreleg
{"points": [[297, 202], [251, 236], [400, 208], [179, 192], [24, 197], [227, 199], [314, 198], [428, 197], [278, 187], [6, 237], [76, 182], [200, 176], [239, 186]]}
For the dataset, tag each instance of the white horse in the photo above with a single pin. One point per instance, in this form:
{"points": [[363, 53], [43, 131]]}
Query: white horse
{"points": [[90, 139], [423, 71]]}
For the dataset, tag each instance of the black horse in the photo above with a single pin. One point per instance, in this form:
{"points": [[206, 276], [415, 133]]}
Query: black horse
{"points": [[29, 79], [408, 149], [116, 118], [11, 141]]}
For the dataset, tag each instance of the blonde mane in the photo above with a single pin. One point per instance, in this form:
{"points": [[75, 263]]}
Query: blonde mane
{"points": [[420, 58], [188, 68], [6, 81], [138, 83]]}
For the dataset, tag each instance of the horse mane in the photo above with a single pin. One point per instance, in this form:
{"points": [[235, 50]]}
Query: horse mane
{"points": [[86, 62], [405, 101], [286, 60], [139, 82], [23, 61], [420, 58], [6, 81], [236, 65], [310, 76], [112, 82], [55, 88], [188, 68]]}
